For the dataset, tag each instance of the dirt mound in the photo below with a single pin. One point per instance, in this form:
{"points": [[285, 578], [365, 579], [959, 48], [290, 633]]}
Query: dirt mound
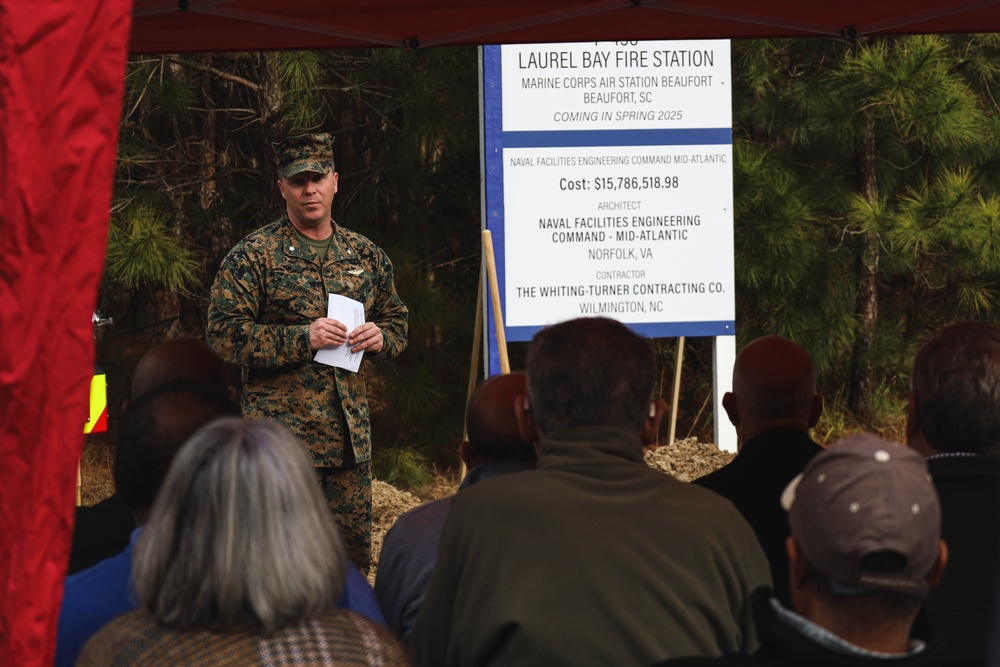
{"points": [[688, 459], [388, 503]]}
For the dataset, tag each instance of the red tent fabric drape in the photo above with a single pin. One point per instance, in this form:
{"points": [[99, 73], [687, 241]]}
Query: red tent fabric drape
{"points": [[161, 26], [62, 67]]}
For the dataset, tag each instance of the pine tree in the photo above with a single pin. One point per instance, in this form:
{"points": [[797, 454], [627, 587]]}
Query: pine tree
{"points": [[883, 149]]}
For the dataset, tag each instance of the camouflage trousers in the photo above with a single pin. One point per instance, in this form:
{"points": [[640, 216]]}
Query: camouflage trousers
{"points": [[348, 491]]}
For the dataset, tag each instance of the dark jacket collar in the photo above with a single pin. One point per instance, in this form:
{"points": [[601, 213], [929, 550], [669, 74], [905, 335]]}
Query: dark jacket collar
{"points": [[783, 643], [491, 469], [590, 445]]}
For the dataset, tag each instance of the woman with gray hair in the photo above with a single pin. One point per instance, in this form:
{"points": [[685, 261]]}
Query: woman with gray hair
{"points": [[240, 564]]}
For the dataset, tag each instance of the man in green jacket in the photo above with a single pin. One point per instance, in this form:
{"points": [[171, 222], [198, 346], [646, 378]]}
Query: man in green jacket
{"points": [[268, 314], [593, 558]]}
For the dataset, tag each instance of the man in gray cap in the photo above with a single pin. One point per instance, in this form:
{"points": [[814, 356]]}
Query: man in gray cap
{"points": [[864, 552], [268, 314]]}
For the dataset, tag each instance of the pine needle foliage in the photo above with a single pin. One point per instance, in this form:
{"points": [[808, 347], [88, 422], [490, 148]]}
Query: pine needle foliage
{"points": [[402, 466], [303, 80], [143, 251], [877, 153]]}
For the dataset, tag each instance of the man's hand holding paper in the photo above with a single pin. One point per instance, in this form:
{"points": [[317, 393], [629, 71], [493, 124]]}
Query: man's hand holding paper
{"points": [[366, 337], [331, 333], [327, 332]]}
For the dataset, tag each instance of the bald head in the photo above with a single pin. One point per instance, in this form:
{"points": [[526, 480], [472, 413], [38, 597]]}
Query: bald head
{"points": [[490, 419], [774, 384], [179, 359]]}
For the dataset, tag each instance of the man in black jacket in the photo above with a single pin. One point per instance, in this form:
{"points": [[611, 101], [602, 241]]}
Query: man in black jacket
{"points": [[954, 421], [773, 405]]}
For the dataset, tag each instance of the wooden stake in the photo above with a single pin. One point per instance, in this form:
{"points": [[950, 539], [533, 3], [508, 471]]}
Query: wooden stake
{"points": [[491, 272], [675, 399]]}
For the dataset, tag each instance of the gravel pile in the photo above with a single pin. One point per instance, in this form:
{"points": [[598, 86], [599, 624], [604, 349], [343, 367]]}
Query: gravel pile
{"points": [[688, 459], [388, 503]]}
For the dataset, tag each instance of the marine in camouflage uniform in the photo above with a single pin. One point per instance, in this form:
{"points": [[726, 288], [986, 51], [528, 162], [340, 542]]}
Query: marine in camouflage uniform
{"points": [[268, 315]]}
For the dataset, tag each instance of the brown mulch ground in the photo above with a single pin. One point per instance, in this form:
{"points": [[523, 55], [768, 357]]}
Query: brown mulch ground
{"points": [[684, 459]]}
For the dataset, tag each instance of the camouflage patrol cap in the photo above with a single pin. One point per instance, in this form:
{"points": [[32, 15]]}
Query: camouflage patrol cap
{"points": [[304, 152]]}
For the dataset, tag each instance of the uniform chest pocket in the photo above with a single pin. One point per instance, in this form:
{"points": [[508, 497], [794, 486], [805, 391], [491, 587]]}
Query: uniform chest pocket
{"points": [[352, 279], [294, 297]]}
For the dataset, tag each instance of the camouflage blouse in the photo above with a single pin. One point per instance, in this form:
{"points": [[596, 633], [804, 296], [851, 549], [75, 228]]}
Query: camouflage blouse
{"points": [[268, 290]]}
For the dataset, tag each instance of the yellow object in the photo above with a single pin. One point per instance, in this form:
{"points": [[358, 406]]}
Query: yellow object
{"points": [[97, 422]]}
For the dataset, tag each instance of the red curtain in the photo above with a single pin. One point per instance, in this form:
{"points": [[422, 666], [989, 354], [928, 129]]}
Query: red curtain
{"points": [[62, 67]]}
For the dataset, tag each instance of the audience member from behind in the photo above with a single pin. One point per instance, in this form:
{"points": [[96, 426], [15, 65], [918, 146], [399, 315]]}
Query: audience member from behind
{"points": [[954, 420], [409, 550], [239, 564], [104, 529], [773, 405], [152, 430], [594, 558], [864, 551]]}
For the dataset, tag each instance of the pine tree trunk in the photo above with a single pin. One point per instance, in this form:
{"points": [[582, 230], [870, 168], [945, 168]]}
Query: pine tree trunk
{"points": [[271, 117], [273, 121], [862, 368], [208, 192]]}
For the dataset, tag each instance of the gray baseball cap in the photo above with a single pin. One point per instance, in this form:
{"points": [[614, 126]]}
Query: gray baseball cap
{"points": [[862, 496]]}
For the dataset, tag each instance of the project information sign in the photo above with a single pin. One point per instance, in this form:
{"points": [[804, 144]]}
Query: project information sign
{"points": [[609, 185]]}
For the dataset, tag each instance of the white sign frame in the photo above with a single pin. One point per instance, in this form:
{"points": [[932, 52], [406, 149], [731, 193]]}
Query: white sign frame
{"points": [[608, 184]]}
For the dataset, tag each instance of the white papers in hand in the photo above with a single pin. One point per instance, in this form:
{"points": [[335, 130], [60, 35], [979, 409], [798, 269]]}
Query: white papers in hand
{"points": [[352, 314]]}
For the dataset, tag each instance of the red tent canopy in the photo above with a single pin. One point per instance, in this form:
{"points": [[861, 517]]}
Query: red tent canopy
{"points": [[167, 26], [61, 66]]}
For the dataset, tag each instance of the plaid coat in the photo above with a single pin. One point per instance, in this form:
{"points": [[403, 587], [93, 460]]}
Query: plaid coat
{"points": [[337, 638]]}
